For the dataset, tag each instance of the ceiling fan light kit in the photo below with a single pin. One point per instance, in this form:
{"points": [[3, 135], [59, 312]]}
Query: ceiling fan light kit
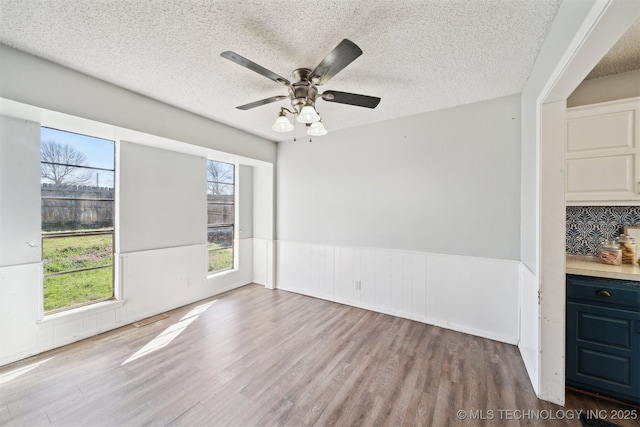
{"points": [[317, 129], [303, 92], [282, 124], [308, 115]]}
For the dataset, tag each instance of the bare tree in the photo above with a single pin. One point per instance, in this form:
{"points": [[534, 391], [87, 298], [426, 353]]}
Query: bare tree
{"points": [[219, 176], [58, 161]]}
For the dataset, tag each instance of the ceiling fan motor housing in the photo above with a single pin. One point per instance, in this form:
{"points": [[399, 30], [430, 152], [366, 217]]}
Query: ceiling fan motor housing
{"points": [[302, 90]]}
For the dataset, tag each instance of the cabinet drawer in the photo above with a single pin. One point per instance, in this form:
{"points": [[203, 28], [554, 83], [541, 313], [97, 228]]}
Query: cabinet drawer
{"points": [[603, 350], [597, 367], [606, 292], [615, 329]]}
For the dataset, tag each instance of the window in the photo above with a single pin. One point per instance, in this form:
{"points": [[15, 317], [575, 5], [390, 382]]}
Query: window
{"points": [[77, 182], [220, 215]]}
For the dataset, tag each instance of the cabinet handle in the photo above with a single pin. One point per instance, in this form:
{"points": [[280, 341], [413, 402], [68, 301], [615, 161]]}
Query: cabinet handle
{"points": [[603, 293]]}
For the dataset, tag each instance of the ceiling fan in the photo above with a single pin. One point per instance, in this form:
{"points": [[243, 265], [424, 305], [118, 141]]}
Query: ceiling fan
{"points": [[303, 92]]}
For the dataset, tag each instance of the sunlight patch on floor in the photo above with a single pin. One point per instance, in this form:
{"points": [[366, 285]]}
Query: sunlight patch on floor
{"points": [[169, 334], [8, 376]]}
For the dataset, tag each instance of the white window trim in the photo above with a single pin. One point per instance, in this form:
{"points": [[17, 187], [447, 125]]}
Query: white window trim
{"points": [[236, 253], [79, 312], [101, 306]]}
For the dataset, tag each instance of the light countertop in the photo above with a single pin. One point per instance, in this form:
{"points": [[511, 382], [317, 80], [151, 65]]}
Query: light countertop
{"points": [[591, 266]]}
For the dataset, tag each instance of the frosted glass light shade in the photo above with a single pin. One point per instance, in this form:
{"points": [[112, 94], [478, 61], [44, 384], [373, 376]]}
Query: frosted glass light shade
{"points": [[317, 129], [308, 115], [282, 124]]}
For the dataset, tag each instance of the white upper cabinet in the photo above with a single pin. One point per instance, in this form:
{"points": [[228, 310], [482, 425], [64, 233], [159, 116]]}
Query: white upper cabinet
{"points": [[602, 154]]}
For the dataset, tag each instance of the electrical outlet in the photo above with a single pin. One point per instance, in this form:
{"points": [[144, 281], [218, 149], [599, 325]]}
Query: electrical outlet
{"points": [[358, 285]]}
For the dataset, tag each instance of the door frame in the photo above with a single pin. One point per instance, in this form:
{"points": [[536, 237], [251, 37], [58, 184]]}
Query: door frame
{"points": [[602, 28]]}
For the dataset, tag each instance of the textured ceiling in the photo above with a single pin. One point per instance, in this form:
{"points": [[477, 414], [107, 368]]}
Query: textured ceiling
{"points": [[622, 57], [418, 55]]}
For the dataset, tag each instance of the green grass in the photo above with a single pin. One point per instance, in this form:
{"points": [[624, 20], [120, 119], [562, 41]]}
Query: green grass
{"points": [[220, 259], [79, 288], [63, 254], [73, 253]]}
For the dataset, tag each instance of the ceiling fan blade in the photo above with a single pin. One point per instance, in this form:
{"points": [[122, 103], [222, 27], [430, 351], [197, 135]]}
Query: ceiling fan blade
{"points": [[351, 99], [343, 54], [241, 60], [262, 102]]}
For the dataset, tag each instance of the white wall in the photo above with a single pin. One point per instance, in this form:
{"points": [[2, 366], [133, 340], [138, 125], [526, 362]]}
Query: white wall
{"points": [[418, 217], [529, 324], [566, 25], [20, 268], [20, 207], [40, 83], [160, 260], [443, 182], [603, 89], [263, 225], [244, 180], [161, 199]]}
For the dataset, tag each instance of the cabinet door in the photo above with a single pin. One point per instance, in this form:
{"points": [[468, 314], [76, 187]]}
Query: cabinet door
{"points": [[602, 154], [603, 350]]}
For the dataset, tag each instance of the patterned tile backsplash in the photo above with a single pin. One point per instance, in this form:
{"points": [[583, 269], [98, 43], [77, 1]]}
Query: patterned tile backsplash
{"points": [[588, 226]]}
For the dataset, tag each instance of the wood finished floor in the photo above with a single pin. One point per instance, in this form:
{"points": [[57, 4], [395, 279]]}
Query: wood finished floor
{"points": [[257, 357]]}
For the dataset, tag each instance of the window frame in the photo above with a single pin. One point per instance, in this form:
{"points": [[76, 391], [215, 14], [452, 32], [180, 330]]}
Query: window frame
{"points": [[231, 225], [81, 232]]}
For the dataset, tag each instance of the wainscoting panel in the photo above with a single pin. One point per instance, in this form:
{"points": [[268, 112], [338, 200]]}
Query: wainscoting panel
{"points": [[346, 288], [162, 279], [152, 281], [529, 344], [367, 276], [262, 259], [474, 295], [19, 289]]}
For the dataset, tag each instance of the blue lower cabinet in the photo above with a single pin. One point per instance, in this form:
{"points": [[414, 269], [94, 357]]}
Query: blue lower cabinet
{"points": [[603, 339]]}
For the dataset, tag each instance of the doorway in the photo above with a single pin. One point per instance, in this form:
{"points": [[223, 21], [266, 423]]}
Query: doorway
{"points": [[602, 28]]}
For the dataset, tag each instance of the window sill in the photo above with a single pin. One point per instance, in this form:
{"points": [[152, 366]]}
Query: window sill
{"points": [[222, 273], [80, 312]]}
